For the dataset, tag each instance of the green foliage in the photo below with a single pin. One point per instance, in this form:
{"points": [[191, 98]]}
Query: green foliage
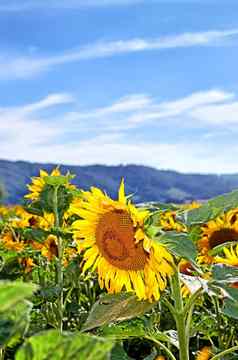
{"points": [[119, 307], [230, 308], [59, 180], [212, 208], [13, 293], [179, 244], [56, 346], [14, 323], [224, 273], [52, 196]]}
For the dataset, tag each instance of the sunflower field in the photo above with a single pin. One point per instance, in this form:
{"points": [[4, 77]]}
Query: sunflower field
{"points": [[84, 276]]}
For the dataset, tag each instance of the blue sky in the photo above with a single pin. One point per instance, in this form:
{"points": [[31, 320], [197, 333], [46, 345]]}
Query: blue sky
{"points": [[120, 81]]}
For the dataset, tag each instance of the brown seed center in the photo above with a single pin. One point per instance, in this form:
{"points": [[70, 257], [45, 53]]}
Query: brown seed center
{"points": [[115, 238], [221, 236]]}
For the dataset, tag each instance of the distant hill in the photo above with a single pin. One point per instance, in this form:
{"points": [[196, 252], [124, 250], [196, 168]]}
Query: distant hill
{"points": [[148, 184]]}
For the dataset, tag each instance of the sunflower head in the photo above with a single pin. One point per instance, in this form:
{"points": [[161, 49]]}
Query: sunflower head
{"points": [[230, 256], [169, 222], [12, 242], [50, 247], [39, 182], [216, 232], [204, 354], [111, 232]]}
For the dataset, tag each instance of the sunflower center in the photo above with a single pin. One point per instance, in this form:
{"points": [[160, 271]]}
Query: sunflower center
{"points": [[116, 242], [219, 237]]}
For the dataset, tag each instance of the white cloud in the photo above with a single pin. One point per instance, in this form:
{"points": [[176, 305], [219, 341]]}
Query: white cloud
{"points": [[16, 66], [30, 135], [182, 106], [217, 114], [185, 157]]}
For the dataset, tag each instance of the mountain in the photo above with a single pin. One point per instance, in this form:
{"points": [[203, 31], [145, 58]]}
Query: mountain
{"points": [[146, 183]]}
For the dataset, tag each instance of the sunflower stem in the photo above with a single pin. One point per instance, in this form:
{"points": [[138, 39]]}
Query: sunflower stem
{"points": [[225, 352], [162, 346], [180, 317], [219, 324], [60, 275]]}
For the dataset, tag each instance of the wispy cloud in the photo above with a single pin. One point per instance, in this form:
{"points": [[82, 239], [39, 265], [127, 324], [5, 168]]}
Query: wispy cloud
{"points": [[22, 6], [21, 66], [111, 132]]}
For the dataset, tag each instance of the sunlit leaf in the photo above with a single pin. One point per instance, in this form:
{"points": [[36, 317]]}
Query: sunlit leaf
{"points": [[117, 307], [56, 346], [13, 292], [211, 208], [179, 244]]}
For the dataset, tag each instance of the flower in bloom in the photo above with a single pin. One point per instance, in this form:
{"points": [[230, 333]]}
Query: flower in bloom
{"points": [[230, 256], [217, 232], [11, 242], [112, 235], [38, 184], [204, 354]]}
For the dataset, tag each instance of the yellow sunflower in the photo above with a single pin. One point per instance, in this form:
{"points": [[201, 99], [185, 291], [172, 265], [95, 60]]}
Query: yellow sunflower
{"points": [[112, 233], [11, 242], [38, 183], [230, 256], [204, 354], [168, 222], [217, 232]]}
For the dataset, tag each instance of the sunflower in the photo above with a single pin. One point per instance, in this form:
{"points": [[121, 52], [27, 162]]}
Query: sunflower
{"points": [[38, 183], [50, 247], [230, 256], [168, 222], [11, 242], [112, 233], [216, 232], [204, 354]]}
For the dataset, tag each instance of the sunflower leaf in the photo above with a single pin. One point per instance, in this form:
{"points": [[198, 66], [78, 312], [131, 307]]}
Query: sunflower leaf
{"points": [[118, 353], [225, 273], [52, 344], [230, 308], [211, 208], [119, 307], [179, 244], [58, 180], [12, 293]]}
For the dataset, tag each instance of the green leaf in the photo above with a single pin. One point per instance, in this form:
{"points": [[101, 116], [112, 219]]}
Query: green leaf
{"points": [[124, 330], [118, 353], [119, 307], [225, 273], [135, 328], [230, 308], [58, 180], [211, 209], [64, 198], [152, 231], [13, 292], [179, 244], [38, 235], [34, 208], [56, 346], [14, 323]]}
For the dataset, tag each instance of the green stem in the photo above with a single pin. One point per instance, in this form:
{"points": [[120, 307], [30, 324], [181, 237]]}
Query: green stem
{"points": [[60, 275], [219, 325], [225, 352], [1, 354], [161, 346], [180, 316], [188, 310]]}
